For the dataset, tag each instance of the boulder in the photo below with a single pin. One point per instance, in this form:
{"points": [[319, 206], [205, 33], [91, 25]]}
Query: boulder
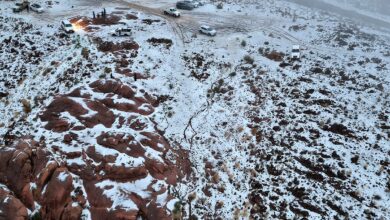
{"points": [[11, 207]]}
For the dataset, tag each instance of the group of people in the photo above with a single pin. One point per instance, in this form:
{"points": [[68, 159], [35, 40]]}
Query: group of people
{"points": [[102, 14]]}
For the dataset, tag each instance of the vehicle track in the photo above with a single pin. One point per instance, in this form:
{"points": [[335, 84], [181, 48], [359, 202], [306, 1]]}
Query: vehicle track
{"points": [[157, 12], [190, 21]]}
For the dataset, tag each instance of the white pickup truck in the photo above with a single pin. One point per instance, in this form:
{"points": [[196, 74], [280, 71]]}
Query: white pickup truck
{"points": [[296, 52]]}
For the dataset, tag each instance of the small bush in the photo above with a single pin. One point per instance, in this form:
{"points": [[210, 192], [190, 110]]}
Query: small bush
{"points": [[216, 178], [388, 185], [191, 197], [220, 5], [158, 41], [177, 211], [243, 43], [47, 71], [107, 70], [275, 56], [26, 106], [77, 42], [219, 205], [85, 52], [261, 50], [249, 59]]}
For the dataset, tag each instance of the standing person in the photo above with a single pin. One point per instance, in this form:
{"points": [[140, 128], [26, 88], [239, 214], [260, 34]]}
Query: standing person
{"points": [[135, 76]]}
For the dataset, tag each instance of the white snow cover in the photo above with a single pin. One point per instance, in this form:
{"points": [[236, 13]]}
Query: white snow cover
{"points": [[62, 177], [256, 131]]}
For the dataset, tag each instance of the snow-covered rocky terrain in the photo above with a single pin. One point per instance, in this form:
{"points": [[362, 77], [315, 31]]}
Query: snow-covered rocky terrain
{"points": [[173, 124], [375, 8]]}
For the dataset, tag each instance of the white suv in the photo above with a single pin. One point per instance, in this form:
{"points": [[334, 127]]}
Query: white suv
{"points": [[172, 12], [121, 32], [296, 52], [67, 26], [204, 29], [36, 7], [194, 3]]}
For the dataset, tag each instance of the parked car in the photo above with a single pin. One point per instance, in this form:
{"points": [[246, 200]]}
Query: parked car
{"points": [[201, 3], [295, 52], [36, 7], [121, 32], [204, 29], [193, 2], [172, 12], [20, 6], [67, 26], [185, 5]]}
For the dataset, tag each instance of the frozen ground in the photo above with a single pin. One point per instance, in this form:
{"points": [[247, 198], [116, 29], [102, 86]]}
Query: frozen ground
{"points": [[376, 8], [366, 13], [268, 138]]}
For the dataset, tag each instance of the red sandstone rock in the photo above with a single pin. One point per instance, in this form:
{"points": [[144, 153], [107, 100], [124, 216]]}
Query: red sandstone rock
{"points": [[44, 171], [62, 104], [137, 124], [58, 125], [103, 214], [11, 207], [17, 161], [45, 175], [57, 194], [72, 212], [111, 86], [70, 137], [91, 152], [122, 173]]}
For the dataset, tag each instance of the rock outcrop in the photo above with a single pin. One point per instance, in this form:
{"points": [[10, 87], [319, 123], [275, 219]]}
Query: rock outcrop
{"points": [[11, 207], [100, 156]]}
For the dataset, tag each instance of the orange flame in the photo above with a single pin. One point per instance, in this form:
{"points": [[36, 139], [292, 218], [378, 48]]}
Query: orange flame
{"points": [[78, 25]]}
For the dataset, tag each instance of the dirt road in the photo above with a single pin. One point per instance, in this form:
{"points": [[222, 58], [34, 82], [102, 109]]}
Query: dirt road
{"points": [[190, 21], [184, 27]]}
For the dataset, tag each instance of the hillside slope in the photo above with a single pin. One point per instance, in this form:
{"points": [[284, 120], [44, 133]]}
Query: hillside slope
{"points": [[172, 124]]}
